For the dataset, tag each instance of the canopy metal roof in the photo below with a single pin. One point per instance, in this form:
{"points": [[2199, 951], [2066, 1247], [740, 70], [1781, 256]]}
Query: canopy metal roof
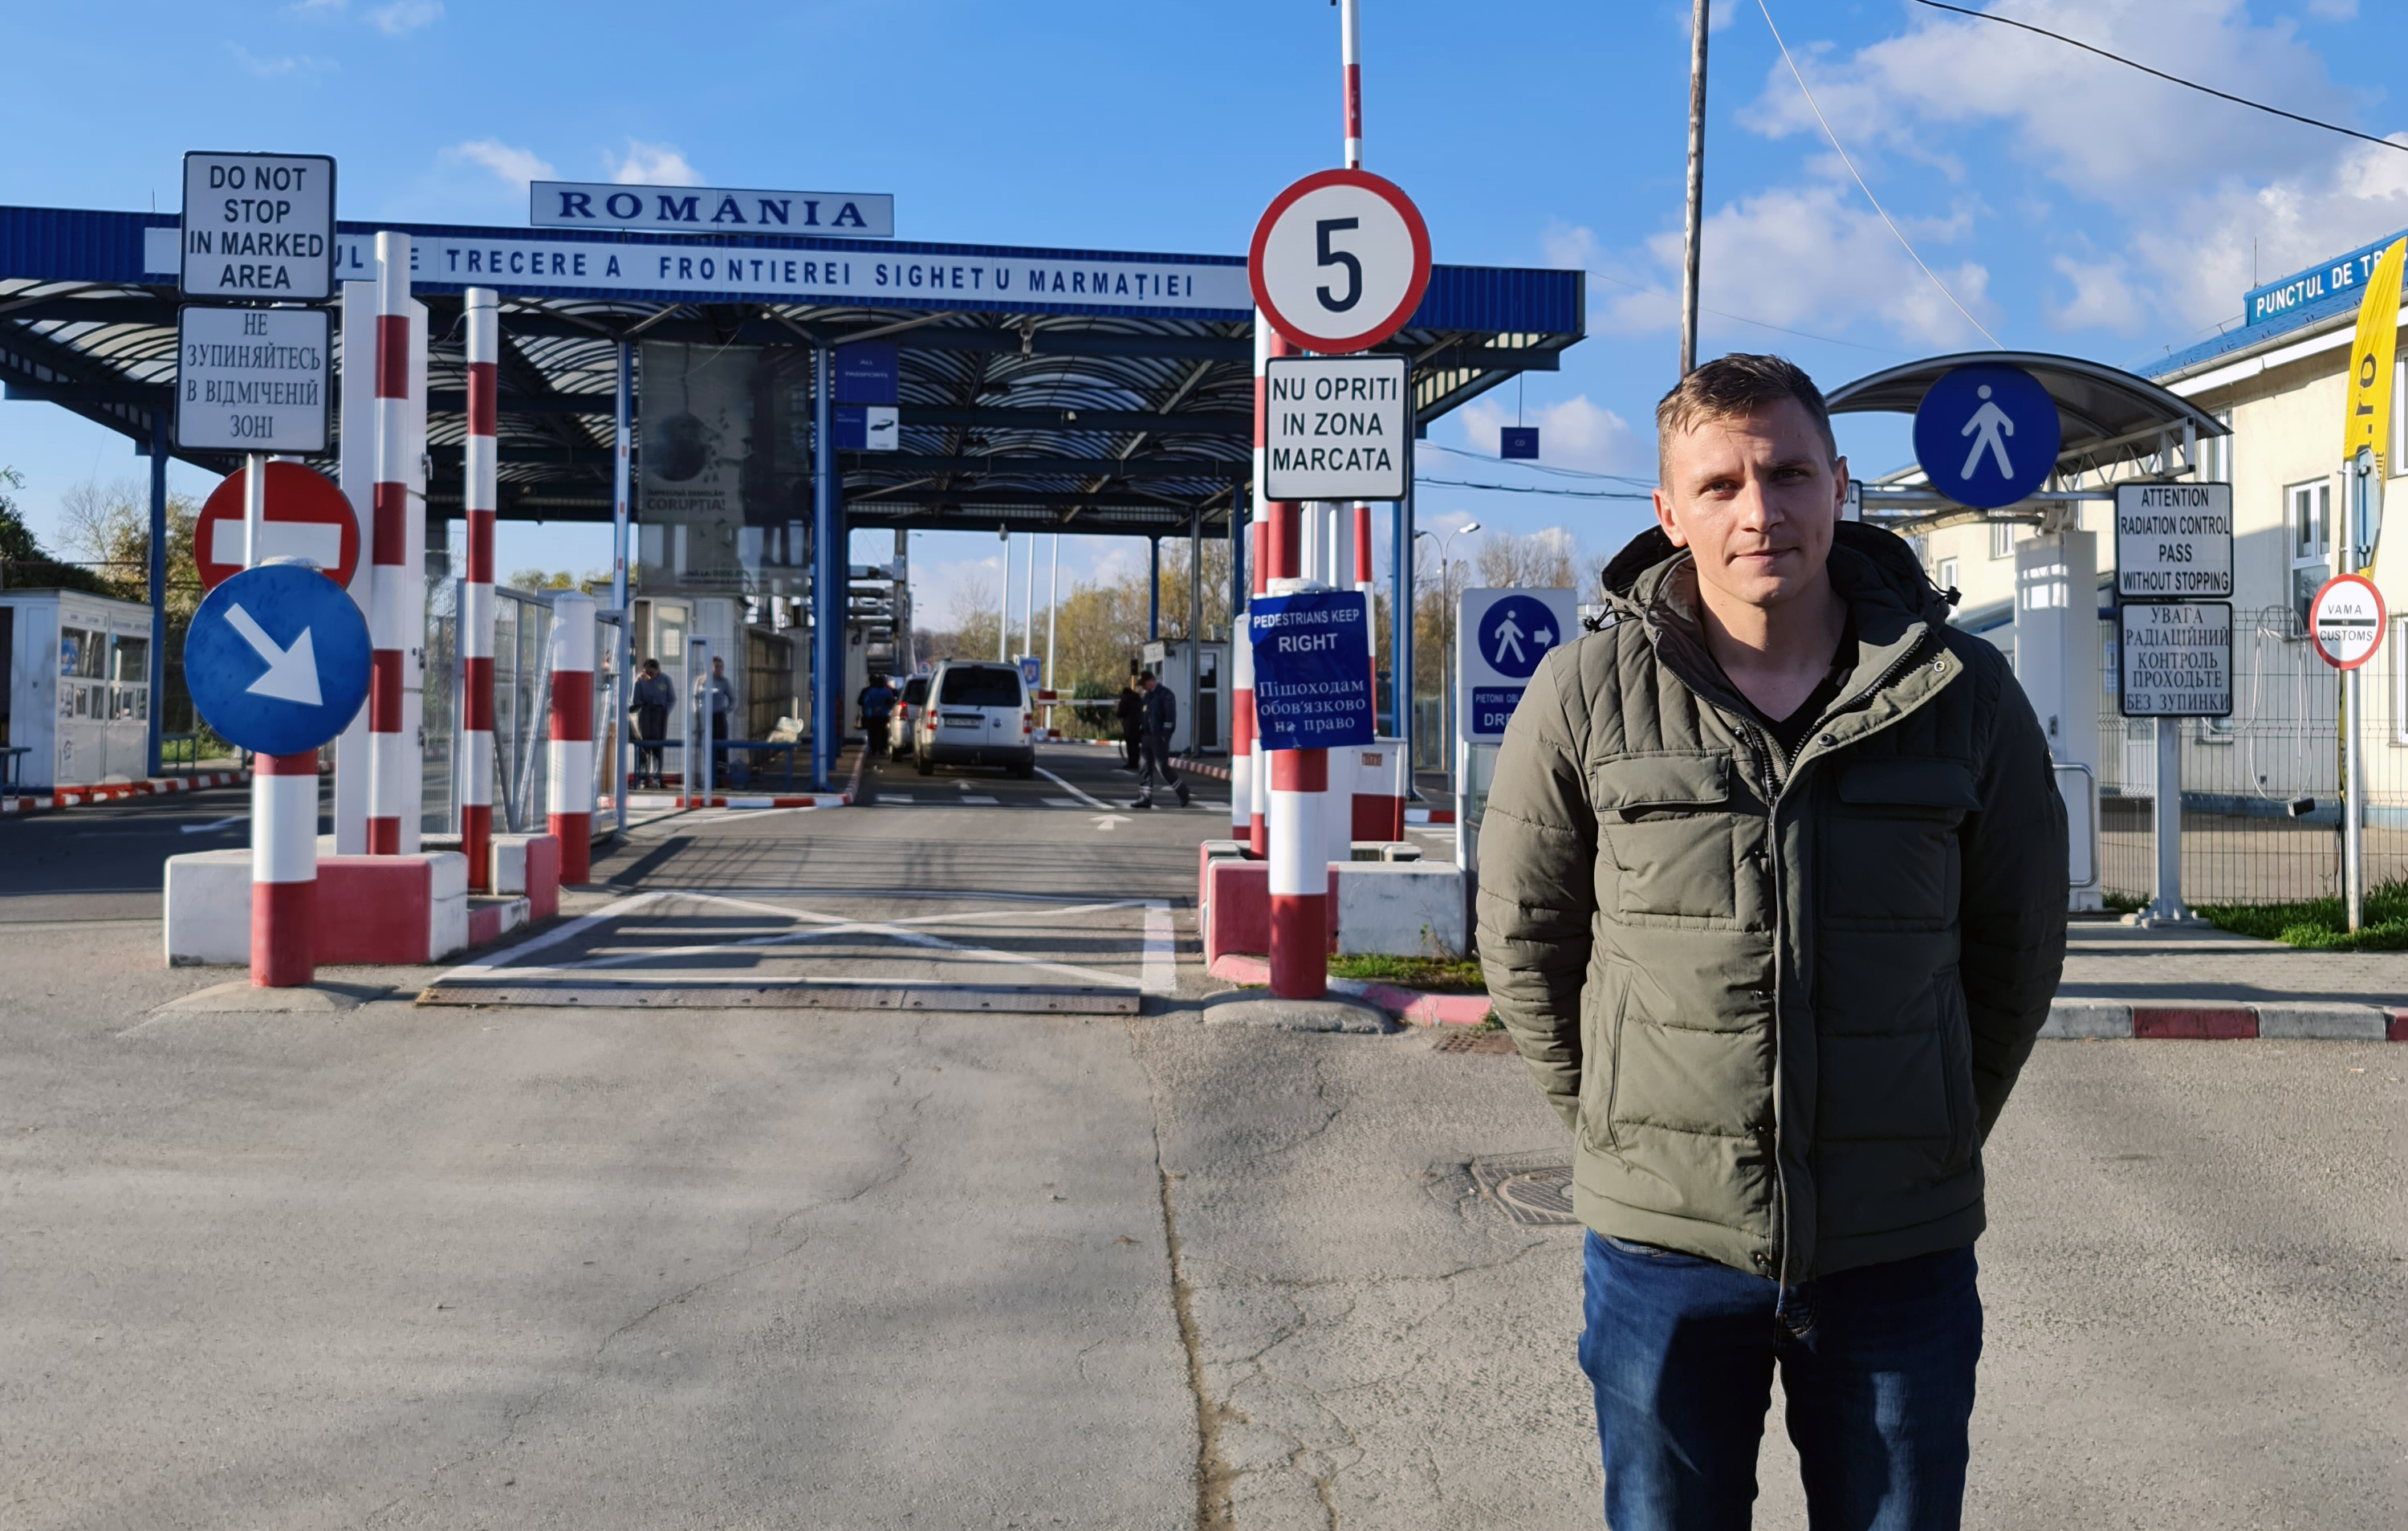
{"points": [[1081, 415], [2111, 419]]}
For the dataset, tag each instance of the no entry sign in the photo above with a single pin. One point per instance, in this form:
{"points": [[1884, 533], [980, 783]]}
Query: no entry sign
{"points": [[308, 517], [1339, 261], [2346, 623]]}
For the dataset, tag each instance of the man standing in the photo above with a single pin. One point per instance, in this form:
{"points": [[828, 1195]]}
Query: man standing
{"points": [[877, 707], [1772, 883], [1131, 710], [653, 698], [717, 693], [1158, 721]]}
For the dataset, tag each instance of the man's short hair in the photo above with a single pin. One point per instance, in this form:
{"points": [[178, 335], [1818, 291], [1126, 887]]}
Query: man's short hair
{"points": [[1733, 387], [652, 664]]}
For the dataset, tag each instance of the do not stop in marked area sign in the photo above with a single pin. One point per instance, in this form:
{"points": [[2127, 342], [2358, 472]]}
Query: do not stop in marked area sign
{"points": [[2345, 621], [1334, 427], [259, 227], [1339, 261], [308, 517], [2175, 659], [1313, 668]]}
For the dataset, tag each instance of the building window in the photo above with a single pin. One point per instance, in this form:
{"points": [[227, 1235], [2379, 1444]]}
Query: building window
{"points": [[1947, 575], [2309, 514], [2002, 539]]}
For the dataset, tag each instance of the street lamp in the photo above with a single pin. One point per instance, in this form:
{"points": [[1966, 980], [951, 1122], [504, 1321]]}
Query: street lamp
{"points": [[1446, 637]]}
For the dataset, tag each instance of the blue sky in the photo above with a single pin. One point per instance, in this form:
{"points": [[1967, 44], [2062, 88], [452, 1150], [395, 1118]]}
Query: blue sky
{"points": [[2069, 205]]}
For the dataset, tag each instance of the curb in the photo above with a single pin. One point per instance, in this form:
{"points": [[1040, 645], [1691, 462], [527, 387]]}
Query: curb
{"points": [[1430, 816], [1406, 1004], [2214, 1020], [739, 800], [1199, 767], [116, 791]]}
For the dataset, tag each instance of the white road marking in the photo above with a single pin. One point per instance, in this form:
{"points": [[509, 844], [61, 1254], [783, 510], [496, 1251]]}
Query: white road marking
{"points": [[1161, 972], [987, 803], [1073, 789], [215, 826], [1108, 821]]}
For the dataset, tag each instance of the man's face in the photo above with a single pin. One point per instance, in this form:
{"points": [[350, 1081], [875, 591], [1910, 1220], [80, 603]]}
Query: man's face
{"points": [[1753, 498], [651, 670]]}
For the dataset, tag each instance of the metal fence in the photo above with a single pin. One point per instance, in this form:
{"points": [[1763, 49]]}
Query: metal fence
{"points": [[2262, 790]]}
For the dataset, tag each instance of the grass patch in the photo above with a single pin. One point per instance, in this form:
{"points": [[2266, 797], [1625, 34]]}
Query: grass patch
{"points": [[2322, 924], [2125, 903], [1433, 974]]}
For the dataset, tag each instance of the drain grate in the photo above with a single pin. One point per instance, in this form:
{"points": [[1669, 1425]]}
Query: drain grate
{"points": [[1534, 1189], [1475, 1042]]}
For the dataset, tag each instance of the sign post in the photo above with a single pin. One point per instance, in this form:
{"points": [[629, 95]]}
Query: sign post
{"points": [[277, 658], [2345, 627]]}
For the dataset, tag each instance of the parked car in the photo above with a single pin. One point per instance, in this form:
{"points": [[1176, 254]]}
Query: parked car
{"points": [[904, 739], [976, 714]]}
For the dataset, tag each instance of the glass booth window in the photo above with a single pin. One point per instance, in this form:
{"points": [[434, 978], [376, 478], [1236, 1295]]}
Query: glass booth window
{"points": [[81, 653], [2309, 514]]}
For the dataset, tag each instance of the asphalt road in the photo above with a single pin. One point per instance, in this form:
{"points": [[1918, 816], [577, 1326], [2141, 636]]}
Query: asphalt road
{"points": [[612, 1268]]}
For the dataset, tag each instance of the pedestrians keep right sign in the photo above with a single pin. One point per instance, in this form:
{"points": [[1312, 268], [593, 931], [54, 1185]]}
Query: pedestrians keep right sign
{"points": [[277, 658], [2177, 658], [1986, 435], [1312, 669], [1499, 638]]}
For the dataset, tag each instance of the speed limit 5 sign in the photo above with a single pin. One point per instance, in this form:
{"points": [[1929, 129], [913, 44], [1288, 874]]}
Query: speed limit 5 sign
{"points": [[1339, 261]]}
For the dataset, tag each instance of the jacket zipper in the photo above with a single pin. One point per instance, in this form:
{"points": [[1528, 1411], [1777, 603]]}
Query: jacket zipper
{"points": [[1774, 792]]}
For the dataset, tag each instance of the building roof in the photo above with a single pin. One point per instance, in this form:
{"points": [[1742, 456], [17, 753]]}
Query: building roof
{"points": [[1096, 411]]}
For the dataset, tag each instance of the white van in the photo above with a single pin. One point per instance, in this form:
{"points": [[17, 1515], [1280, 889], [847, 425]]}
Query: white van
{"points": [[976, 714]]}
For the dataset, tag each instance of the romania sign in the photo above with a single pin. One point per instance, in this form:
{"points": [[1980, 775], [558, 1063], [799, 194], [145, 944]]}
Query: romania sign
{"points": [[709, 209]]}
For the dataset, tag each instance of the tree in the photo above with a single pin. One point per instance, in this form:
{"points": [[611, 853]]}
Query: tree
{"points": [[23, 561], [1542, 561]]}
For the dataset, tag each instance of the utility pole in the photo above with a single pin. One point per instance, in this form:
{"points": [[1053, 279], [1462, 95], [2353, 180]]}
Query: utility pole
{"points": [[1691, 225]]}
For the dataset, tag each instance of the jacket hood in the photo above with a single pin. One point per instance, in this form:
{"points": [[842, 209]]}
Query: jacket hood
{"points": [[1869, 565]]}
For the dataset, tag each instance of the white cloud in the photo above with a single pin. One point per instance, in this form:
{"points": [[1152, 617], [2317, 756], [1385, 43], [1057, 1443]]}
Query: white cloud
{"points": [[1812, 257], [1572, 433], [1569, 249], [298, 66], [514, 167], [2102, 295], [401, 17], [652, 165], [2333, 10]]}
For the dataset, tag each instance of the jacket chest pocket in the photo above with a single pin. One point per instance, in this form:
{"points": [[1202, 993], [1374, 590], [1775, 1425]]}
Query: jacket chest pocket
{"points": [[1666, 821], [1891, 853]]}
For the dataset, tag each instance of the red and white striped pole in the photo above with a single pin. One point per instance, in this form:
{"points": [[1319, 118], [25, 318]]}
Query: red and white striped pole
{"points": [[570, 763], [1258, 797], [1350, 53], [483, 493], [1298, 778], [284, 870], [1242, 728], [388, 550]]}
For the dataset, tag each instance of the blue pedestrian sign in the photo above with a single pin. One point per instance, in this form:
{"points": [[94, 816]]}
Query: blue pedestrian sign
{"points": [[1500, 637], [1312, 669], [1986, 435], [277, 658]]}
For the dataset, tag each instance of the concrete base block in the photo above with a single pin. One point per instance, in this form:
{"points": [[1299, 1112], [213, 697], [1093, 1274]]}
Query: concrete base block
{"points": [[208, 908], [2077, 1019], [529, 864], [2323, 1022], [1400, 909], [239, 998], [1250, 1007]]}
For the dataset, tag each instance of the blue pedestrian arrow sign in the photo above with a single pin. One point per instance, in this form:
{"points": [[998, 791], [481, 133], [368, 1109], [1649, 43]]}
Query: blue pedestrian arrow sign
{"points": [[1500, 637], [277, 658], [1986, 435]]}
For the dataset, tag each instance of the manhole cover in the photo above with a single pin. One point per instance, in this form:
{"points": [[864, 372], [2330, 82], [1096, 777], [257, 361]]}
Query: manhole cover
{"points": [[1475, 1042], [1534, 1189]]}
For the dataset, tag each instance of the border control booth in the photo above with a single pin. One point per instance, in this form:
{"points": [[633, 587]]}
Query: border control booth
{"points": [[774, 392]]}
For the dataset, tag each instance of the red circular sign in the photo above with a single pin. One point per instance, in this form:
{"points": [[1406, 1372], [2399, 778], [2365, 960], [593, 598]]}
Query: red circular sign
{"points": [[308, 517], [2345, 621], [1339, 261]]}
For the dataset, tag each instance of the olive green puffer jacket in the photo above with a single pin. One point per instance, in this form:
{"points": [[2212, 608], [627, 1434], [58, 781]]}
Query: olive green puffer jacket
{"points": [[1781, 1003]]}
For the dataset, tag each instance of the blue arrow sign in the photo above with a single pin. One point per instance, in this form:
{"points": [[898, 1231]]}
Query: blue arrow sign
{"points": [[1515, 634], [1986, 435], [277, 658]]}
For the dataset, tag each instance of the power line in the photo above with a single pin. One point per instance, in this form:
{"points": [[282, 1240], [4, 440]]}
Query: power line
{"points": [[1537, 489], [1860, 179], [2171, 80], [1536, 466]]}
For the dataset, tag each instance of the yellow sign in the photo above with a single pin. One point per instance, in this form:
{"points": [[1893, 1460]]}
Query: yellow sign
{"points": [[2369, 419]]}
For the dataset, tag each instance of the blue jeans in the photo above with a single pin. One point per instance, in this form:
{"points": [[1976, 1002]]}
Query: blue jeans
{"points": [[1877, 1363]]}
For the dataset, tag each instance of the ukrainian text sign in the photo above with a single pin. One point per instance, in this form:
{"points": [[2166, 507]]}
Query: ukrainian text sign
{"points": [[251, 379], [2175, 659], [1313, 668], [2174, 542], [1334, 427]]}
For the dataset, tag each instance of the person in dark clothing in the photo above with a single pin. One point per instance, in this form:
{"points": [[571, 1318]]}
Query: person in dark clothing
{"points": [[1161, 722], [1131, 709], [877, 707], [653, 698]]}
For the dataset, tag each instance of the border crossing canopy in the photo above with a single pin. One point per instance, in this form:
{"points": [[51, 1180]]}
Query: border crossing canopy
{"points": [[1037, 389]]}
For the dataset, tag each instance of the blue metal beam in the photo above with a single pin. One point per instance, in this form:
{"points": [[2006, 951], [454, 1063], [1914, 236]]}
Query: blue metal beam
{"points": [[828, 575]]}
